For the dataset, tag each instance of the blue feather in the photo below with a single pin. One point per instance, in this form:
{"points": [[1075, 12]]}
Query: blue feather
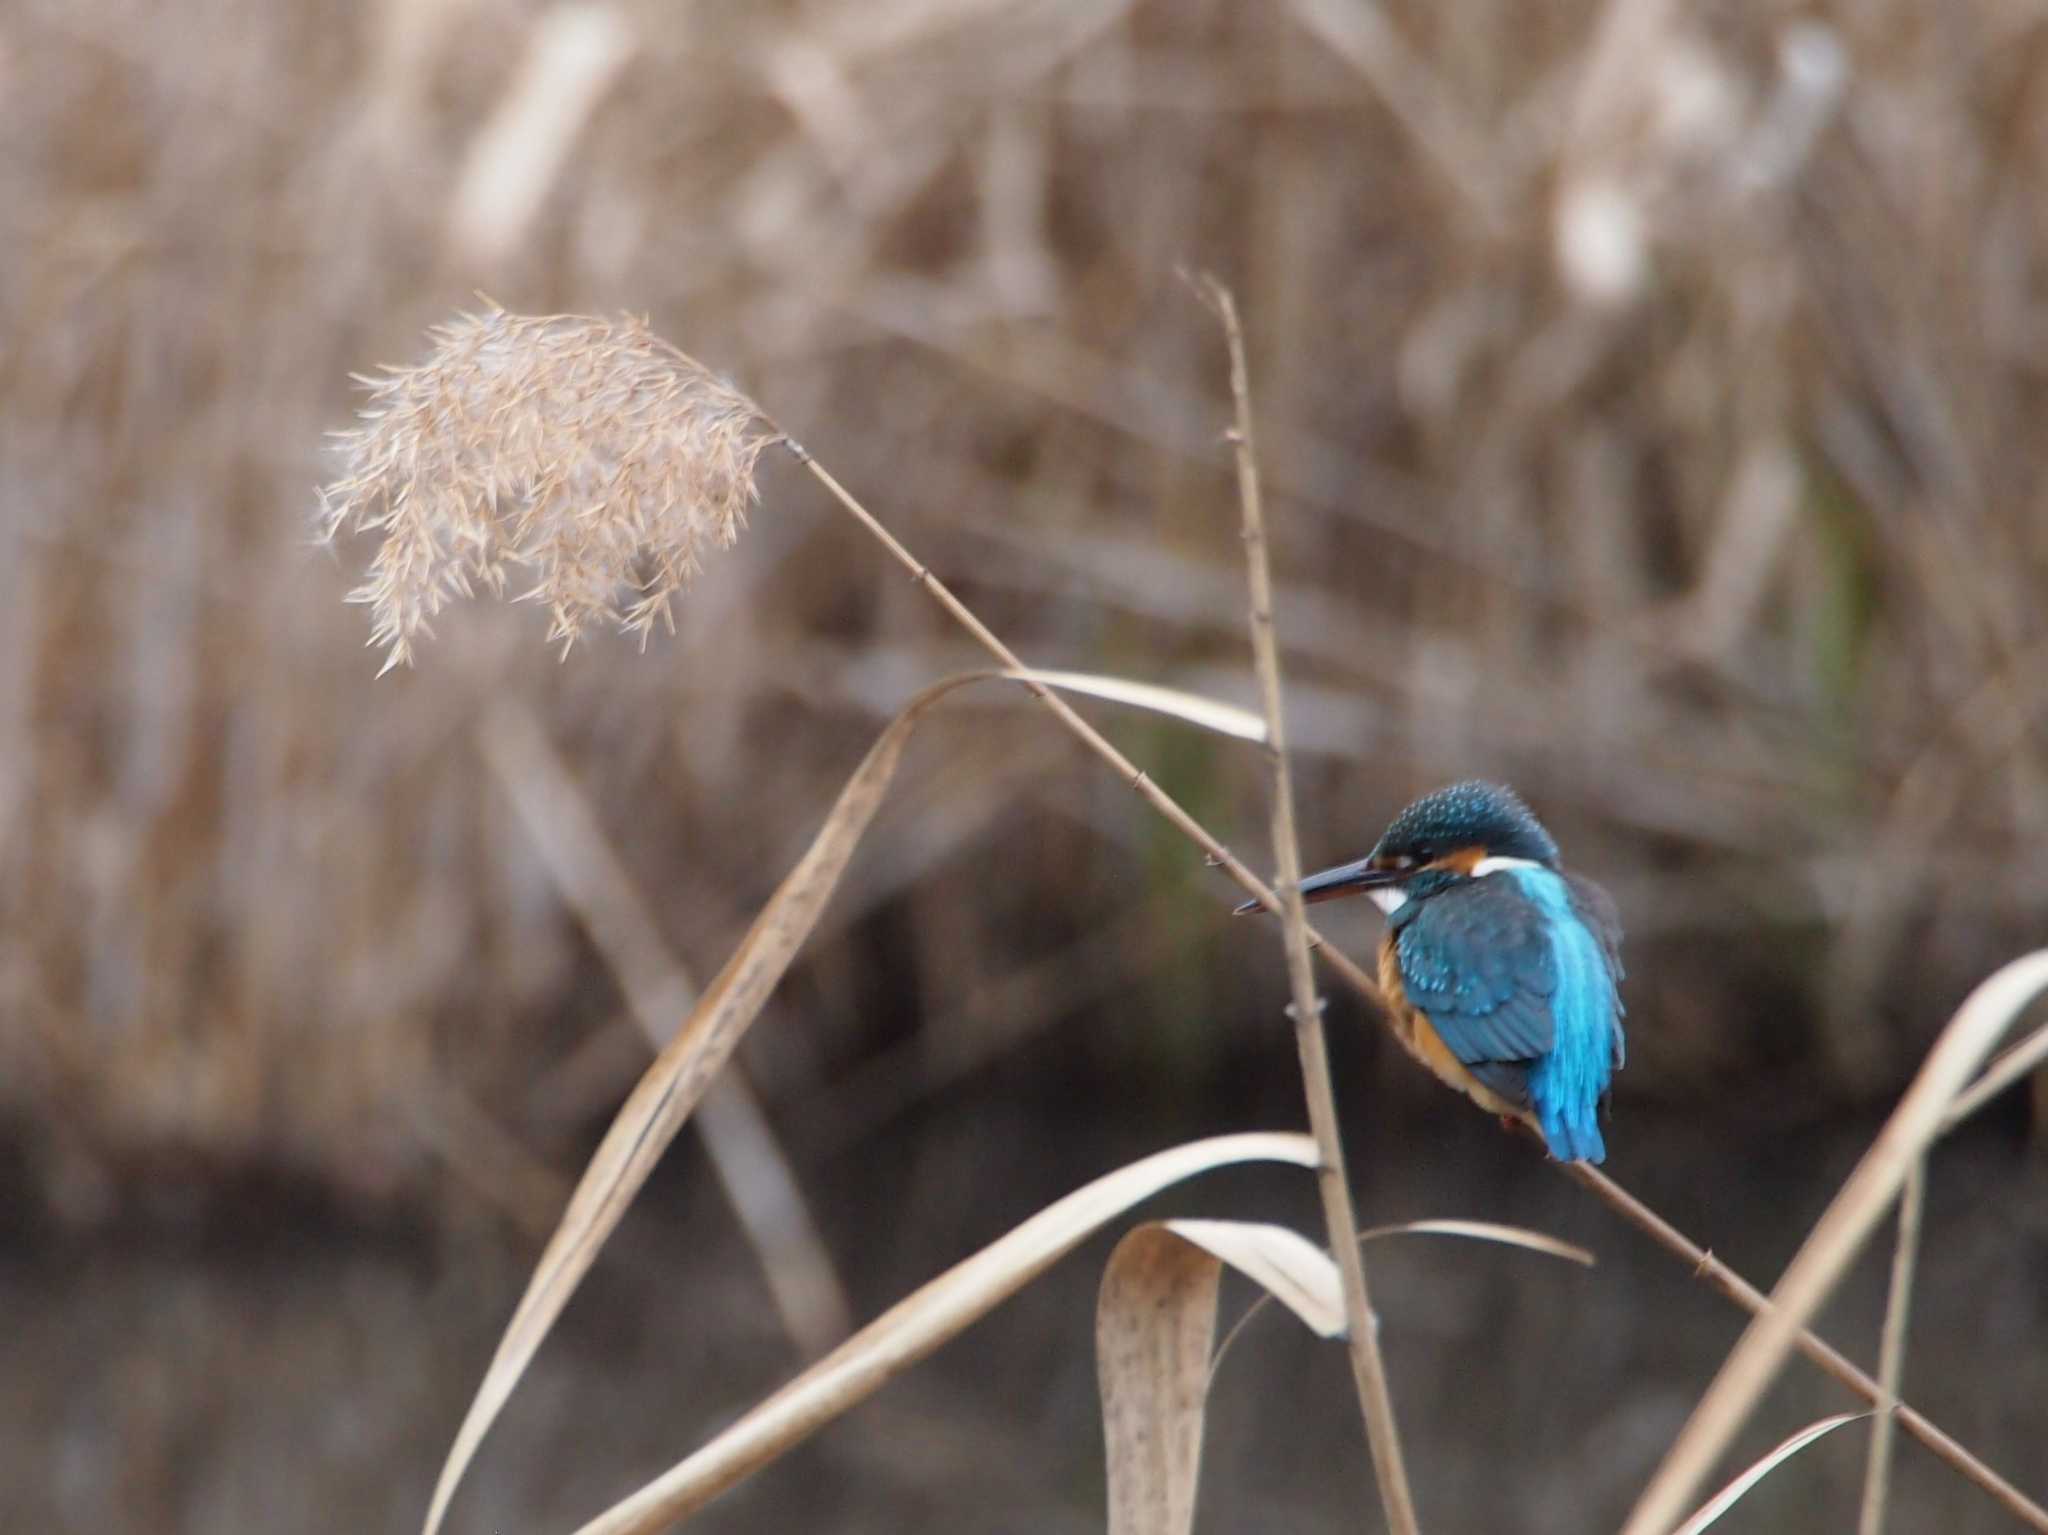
{"points": [[1566, 1085]]}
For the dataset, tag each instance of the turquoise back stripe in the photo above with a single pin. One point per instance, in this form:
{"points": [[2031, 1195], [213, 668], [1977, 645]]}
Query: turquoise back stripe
{"points": [[1566, 1086]]}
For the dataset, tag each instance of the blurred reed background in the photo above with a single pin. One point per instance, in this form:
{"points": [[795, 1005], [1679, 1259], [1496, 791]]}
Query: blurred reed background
{"points": [[1648, 399]]}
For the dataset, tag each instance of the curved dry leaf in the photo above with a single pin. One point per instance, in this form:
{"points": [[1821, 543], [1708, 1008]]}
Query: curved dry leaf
{"points": [[1154, 1320], [1734, 1492], [1478, 1231], [914, 1327], [1998, 1076], [1836, 1238], [665, 1096], [1285, 1264], [1487, 1231], [1208, 713]]}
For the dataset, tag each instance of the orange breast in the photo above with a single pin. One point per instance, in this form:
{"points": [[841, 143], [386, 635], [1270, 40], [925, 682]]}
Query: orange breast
{"points": [[1423, 1042]]}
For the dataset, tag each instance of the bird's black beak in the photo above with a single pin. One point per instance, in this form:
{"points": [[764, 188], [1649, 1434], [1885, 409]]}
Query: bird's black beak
{"points": [[1334, 884]]}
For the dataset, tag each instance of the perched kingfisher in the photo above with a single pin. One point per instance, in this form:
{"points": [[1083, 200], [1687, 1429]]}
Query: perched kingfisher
{"points": [[1501, 970]]}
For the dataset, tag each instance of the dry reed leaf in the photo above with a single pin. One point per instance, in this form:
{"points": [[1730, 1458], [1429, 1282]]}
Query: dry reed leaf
{"points": [[1154, 1320], [1837, 1236], [673, 1085], [745, 1154], [1998, 1076], [1487, 1231], [1477, 1231], [1711, 1511], [911, 1329], [1208, 713], [1285, 1264]]}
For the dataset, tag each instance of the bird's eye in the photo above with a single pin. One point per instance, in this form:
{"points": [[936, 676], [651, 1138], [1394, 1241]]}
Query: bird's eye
{"points": [[1402, 861]]}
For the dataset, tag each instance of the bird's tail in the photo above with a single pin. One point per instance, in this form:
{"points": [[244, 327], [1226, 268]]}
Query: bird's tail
{"points": [[1573, 1137]]}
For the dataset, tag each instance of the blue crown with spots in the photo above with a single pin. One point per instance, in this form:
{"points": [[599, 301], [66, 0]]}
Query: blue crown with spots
{"points": [[1470, 814]]}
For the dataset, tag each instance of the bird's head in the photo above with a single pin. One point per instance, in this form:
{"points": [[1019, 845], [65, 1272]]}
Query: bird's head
{"points": [[1441, 838]]}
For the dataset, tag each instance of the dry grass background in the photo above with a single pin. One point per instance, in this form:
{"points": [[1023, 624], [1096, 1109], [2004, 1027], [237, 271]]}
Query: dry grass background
{"points": [[1648, 402]]}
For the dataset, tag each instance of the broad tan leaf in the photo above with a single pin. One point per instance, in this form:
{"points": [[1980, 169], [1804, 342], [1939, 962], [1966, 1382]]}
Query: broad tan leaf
{"points": [[1736, 1490], [662, 1101], [912, 1328], [1154, 1320], [1836, 1238], [1153, 1323]]}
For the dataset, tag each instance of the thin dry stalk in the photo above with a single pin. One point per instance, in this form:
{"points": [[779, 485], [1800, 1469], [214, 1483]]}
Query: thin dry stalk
{"points": [[1361, 1337], [1891, 1354], [1217, 854]]}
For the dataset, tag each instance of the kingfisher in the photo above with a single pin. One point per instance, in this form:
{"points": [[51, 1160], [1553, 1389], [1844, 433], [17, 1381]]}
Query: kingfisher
{"points": [[1501, 970]]}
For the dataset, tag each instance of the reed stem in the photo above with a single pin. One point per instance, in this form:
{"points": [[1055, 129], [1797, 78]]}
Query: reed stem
{"points": [[1361, 1334], [1891, 1353]]}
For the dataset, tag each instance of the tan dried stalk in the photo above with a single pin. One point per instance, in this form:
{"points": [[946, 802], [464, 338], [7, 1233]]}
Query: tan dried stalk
{"points": [[1361, 1335], [1891, 1352], [586, 452]]}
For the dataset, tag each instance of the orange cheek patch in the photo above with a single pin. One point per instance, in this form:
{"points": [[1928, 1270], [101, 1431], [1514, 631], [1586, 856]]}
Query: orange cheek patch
{"points": [[1463, 861]]}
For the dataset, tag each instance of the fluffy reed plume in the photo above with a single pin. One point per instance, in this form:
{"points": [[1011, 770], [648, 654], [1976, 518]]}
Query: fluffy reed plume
{"points": [[588, 452]]}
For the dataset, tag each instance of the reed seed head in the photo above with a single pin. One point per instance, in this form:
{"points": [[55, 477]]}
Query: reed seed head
{"points": [[588, 455]]}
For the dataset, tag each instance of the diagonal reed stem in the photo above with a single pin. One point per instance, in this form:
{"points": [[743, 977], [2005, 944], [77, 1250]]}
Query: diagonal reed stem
{"points": [[1361, 1336], [1352, 974]]}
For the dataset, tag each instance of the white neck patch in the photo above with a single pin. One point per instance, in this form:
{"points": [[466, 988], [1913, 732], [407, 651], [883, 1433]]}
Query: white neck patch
{"points": [[1487, 866], [1388, 898]]}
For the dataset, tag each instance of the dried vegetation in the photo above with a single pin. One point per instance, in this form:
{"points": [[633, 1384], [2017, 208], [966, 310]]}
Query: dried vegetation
{"points": [[1649, 410], [1647, 395]]}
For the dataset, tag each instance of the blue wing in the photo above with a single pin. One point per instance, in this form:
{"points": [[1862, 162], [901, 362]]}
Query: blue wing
{"points": [[1516, 972], [1476, 958]]}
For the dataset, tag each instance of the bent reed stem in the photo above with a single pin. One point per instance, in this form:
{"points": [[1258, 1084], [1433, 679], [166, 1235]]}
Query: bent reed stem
{"points": [[1891, 1351], [1368, 1367], [1717, 1274]]}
